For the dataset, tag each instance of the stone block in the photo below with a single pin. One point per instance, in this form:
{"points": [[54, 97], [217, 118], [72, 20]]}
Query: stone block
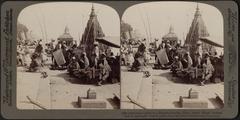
{"points": [[192, 103], [91, 94], [91, 103], [193, 94]]}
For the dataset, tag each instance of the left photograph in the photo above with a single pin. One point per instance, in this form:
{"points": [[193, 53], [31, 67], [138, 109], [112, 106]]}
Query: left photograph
{"points": [[68, 56]]}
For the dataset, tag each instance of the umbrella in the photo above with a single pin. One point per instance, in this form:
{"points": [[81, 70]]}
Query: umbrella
{"points": [[209, 41], [109, 41]]}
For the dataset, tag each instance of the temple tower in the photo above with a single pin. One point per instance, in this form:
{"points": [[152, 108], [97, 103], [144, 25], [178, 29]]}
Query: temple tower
{"points": [[92, 31], [196, 31]]}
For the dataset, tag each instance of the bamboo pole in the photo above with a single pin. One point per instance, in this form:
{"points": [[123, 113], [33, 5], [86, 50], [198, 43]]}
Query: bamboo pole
{"points": [[36, 103], [37, 18], [135, 102], [44, 26], [143, 23], [149, 27]]}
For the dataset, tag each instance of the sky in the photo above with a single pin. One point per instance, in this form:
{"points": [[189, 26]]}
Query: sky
{"points": [[57, 15], [160, 15]]}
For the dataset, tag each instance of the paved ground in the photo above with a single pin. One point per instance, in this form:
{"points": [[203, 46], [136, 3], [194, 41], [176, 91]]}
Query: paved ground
{"points": [[58, 90], [28, 84], [166, 90], [137, 87]]}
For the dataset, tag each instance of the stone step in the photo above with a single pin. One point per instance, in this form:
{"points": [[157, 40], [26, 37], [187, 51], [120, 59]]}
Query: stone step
{"points": [[91, 103], [193, 103]]}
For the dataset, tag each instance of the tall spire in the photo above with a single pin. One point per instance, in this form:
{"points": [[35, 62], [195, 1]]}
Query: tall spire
{"points": [[92, 7], [93, 11], [92, 31], [197, 30], [197, 13]]}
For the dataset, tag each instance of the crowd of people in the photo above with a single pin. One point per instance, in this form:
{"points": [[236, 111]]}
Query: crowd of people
{"points": [[31, 56], [201, 66], [131, 57], [189, 65], [23, 55], [101, 65]]}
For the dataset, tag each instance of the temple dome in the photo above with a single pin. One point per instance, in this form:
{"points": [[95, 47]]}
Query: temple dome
{"points": [[66, 34], [66, 37], [170, 34]]}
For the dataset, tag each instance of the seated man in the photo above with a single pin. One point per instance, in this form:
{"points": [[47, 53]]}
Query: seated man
{"points": [[111, 60], [197, 60], [113, 63], [139, 59], [130, 59], [20, 55], [34, 64], [138, 62], [208, 70], [188, 70], [83, 72], [187, 61], [84, 62], [176, 66], [105, 69], [73, 65], [37, 65]]}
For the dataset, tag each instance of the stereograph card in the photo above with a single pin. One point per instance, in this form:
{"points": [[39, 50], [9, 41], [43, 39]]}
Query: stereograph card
{"points": [[119, 60]]}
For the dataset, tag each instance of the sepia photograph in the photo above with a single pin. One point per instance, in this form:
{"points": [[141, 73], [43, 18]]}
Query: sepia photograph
{"points": [[172, 56], [68, 56], [119, 59]]}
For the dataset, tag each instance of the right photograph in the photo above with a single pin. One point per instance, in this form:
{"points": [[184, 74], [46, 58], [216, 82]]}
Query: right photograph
{"points": [[172, 56]]}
